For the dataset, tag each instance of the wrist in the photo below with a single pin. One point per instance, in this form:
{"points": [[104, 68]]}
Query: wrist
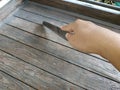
{"points": [[110, 45], [104, 40]]}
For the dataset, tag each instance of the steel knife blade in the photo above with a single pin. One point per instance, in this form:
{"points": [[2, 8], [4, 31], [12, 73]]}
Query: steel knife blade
{"points": [[56, 29]]}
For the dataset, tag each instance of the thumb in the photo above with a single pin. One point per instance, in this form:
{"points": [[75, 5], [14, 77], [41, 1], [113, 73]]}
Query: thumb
{"points": [[67, 36]]}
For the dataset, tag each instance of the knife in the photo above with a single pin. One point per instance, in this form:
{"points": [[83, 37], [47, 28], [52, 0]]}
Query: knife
{"points": [[56, 29]]}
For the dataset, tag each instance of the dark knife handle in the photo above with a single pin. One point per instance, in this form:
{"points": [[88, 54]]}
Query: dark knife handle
{"points": [[61, 33], [56, 29]]}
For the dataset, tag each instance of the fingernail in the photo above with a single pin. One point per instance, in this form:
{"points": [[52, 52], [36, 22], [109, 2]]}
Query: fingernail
{"points": [[62, 27]]}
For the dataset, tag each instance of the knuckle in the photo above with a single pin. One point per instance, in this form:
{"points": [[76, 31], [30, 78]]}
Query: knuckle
{"points": [[78, 21]]}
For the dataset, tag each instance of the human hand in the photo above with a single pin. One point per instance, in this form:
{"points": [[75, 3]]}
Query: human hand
{"points": [[86, 36], [91, 38]]}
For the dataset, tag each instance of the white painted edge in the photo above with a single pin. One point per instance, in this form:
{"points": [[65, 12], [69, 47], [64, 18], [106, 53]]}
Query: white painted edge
{"points": [[3, 3], [94, 6]]}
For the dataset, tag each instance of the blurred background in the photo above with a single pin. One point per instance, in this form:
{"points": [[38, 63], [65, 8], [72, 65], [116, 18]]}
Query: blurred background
{"points": [[112, 2]]}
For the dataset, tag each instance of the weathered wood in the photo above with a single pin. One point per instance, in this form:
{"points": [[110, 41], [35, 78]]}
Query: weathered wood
{"points": [[26, 25], [61, 15], [42, 62], [9, 83], [39, 19], [57, 15], [65, 53], [32, 11], [55, 66], [84, 9], [12, 5], [37, 14], [38, 30], [36, 18], [29, 74], [35, 29], [49, 12]]}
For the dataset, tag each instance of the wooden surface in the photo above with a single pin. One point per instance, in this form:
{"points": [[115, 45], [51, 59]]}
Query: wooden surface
{"points": [[83, 8], [9, 83], [32, 57], [7, 9]]}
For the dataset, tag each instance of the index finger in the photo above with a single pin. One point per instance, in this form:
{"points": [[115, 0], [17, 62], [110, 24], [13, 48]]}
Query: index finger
{"points": [[69, 27]]}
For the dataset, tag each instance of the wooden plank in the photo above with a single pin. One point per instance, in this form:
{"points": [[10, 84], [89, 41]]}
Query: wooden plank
{"points": [[101, 13], [44, 12], [80, 59], [30, 75], [36, 18], [61, 15], [12, 5], [50, 12], [38, 30], [39, 17], [55, 66], [9, 83], [35, 29]]}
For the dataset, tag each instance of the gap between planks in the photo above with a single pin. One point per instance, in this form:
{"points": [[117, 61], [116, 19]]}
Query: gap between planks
{"points": [[19, 76], [23, 30], [99, 73], [17, 56], [8, 82]]}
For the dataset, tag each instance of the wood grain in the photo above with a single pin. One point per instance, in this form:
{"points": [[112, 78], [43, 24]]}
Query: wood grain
{"points": [[39, 19], [55, 66], [44, 12], [34, 56], [57, 16], [12, 5], [38, 29], [49, 12], [38, 13], [84, 9], [64, 53], [9, 83], [31, 75], [61, 15]]}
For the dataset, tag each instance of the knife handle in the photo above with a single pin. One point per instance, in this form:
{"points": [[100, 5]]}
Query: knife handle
{"points": [[61, 33]]}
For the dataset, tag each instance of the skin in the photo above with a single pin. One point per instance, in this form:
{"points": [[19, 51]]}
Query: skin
{"points": [[91, 38]]}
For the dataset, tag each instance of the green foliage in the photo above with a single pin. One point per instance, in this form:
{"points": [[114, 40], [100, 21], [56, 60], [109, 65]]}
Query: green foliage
{"points": [[106, 1]]}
